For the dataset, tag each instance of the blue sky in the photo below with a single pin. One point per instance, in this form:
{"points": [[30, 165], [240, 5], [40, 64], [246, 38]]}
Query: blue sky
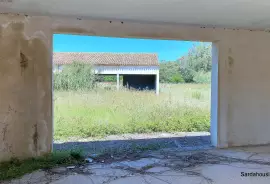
{"points": [[168, 50]]}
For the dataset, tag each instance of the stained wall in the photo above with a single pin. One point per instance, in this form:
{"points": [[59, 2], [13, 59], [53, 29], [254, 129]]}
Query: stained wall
{"points": [[240, 89]]}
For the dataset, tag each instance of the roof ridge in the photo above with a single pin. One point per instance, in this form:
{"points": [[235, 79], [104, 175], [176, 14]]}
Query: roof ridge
{"points": [[112, 52], [107, 58]]}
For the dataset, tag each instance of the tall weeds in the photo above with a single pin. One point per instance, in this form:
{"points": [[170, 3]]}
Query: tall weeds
{"points": [[76, 76]]}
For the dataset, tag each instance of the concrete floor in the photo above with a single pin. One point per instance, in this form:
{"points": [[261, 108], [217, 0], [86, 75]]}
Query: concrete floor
{"points": [[165, 166]]}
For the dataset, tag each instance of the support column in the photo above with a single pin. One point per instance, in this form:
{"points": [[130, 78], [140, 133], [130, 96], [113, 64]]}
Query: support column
{"points": [[26, 87], [118, 82], [214, 96], [157, 83]]}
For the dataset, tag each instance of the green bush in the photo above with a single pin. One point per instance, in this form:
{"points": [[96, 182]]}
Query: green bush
{"points": [[199, 59], [76, 76], [188, 74], [16, 168], [110, 78], [170, 72], [177, 78], [202, 77]]}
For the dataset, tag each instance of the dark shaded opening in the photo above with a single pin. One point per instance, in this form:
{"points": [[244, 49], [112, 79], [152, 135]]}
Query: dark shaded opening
{"points": [[139, 82]]}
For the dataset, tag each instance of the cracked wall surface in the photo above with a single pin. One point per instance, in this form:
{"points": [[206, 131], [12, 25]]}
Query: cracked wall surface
{"points": [[242, 99]]}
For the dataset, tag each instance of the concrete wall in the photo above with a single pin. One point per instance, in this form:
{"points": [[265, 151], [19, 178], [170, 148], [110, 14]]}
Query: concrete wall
{"points": [[25, 87], [242, 87]]}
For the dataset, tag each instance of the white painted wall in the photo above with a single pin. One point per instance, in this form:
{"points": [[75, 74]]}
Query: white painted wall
{"points": [[245, 89], [140, 70], [244, 104]]}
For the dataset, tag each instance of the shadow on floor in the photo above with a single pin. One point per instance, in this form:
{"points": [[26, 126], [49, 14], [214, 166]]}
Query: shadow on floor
{"points": [[187, 143]]}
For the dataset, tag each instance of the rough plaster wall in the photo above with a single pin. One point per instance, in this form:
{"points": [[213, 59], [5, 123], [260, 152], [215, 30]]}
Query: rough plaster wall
{"points": [[243, 102], [25, 90], [248, 103]]}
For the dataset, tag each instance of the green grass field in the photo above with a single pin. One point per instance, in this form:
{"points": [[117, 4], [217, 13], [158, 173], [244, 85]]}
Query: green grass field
{"points": [[178, 108]]}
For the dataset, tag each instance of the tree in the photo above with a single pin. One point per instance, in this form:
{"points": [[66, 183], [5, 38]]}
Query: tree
{"points": [[198, 60], [169, 72]]}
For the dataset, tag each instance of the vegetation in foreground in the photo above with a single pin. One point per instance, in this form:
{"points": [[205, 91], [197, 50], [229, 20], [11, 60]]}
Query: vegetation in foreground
{"points": [[16, 168], [179, 108]]}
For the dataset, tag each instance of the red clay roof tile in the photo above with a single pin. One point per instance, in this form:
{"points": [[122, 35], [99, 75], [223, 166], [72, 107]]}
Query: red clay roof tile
{"points": [[106, 59]]}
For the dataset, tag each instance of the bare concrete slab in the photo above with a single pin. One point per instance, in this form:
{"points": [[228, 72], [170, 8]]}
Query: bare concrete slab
{"points": [[110, 172], [81, 179], [137, 164], [165, 166], [231, 173], [158, 169]]}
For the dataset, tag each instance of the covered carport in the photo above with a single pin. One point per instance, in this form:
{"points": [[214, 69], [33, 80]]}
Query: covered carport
{"points": [[139, 70], [241, 42]]}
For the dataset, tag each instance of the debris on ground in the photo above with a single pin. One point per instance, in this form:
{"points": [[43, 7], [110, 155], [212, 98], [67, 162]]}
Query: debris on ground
{"points": [[164, 166]]}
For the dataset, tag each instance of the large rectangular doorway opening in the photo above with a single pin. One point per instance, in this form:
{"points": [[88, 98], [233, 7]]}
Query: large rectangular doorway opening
{"points": [[126, 93]]}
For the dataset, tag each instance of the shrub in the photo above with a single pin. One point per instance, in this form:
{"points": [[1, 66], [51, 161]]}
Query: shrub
{"points": [[202, 77], [110, 78], [177, 78], [199, 59], [76, 76], [188, 74], [170, 72]]}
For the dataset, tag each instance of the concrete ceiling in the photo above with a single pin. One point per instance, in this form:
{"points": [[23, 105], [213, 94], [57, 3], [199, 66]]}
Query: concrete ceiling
{"points": [[250, 14]]}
